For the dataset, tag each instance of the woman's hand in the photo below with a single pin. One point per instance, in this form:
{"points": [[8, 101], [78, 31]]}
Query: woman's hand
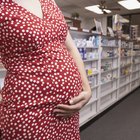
{"points": [[76, 104]]}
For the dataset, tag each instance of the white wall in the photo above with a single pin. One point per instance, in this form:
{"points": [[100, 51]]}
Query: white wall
{"points": [[88, 23]]}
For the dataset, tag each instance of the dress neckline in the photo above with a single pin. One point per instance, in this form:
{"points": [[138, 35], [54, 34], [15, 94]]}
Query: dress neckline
{"points": [[27, 11]]}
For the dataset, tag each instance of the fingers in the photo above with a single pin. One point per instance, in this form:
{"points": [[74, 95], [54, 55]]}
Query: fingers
{"points": [[74, 107], [76, 104], [67, 110], [78, 98]]}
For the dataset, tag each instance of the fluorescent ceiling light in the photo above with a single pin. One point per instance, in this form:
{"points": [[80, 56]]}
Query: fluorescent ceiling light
{"points": [[96, 9], [130, 4], [107, 11]]}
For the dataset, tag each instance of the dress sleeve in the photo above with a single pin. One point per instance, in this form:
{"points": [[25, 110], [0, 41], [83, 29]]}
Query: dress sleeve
{"points": [[57, 10]]}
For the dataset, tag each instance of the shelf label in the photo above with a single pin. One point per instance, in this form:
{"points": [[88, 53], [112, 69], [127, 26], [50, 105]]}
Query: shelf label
{"points": [[85, 30], [74, 28]]}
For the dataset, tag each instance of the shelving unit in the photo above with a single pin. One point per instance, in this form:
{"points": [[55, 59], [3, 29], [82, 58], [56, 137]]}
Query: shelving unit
{"points": [[112, 66], [115, 70], [90, 54], [109, 72], [125, 68], [135, 74]]}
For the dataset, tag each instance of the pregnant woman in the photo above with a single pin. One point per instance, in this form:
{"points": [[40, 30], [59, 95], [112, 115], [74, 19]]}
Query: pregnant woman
{"points": [[45, 85]]}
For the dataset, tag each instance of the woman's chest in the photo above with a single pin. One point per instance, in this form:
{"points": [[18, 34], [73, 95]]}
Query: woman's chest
{"points": [[33, 6], [19, 26]]}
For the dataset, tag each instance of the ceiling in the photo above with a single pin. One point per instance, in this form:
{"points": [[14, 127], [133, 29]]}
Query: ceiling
{"points": [[71, 6]]}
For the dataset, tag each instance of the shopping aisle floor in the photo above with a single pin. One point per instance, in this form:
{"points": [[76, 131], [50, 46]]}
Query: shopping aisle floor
{"points": [[122, 122]]}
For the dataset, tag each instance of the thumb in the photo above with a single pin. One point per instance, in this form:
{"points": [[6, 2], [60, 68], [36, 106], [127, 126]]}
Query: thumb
{"points": [[77, 99]]}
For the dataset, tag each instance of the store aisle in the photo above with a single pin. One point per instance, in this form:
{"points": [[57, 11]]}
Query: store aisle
{"points": [[121, 123]]}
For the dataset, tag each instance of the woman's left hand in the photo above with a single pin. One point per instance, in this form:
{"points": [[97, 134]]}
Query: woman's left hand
{"points": [[76, 104]]}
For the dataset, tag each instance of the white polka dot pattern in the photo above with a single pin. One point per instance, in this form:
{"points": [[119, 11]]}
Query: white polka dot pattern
{"points": [[40, 74]]}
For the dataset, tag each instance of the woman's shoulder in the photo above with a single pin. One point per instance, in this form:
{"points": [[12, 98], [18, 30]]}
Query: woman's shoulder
{"points": [[4, 10]]}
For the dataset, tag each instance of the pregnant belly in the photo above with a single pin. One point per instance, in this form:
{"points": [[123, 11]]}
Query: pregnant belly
{"points": [[57, 83]]}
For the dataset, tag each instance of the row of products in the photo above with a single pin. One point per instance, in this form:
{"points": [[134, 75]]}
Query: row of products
{"points": [[91, 71], [108, 77], [92, 81], [125, 52], [136, 60], [106, 42], [88, 55], [136, 53], [109, 53], [92, 42], [134, 31], [136, 46], [125, 44], [135, 68], [125, 71], [125, 63], [106, 66]]}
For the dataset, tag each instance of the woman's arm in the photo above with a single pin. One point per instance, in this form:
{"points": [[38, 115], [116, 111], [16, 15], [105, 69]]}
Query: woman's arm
{"points": [[77, 102], [79, 62]]}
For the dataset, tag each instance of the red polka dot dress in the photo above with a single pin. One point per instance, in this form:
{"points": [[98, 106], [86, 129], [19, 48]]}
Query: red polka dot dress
{"points": [[40, 74]]}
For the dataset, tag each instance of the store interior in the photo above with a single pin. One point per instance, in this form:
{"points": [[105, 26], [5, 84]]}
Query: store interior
{"points": [[108, 40], [86, 17]]}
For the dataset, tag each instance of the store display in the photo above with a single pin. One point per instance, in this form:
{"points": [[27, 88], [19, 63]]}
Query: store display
{"points": [[92, 41], [92, 81], [134, 31], [107, 42], [109, 53], [112, 68], [106, 66], [91, 71]]}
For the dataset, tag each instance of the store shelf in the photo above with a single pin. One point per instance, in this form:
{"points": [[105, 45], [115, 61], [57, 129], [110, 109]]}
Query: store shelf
{"points": [[126, 48], [96, 73], [84, 120], [90, 60], [136, 49], [107, 105], [124, 84], [88, 47], [87, 113], [92, 101], [126, 56], [109, 70], [93, 87], [106, 58], [123, 76], [136, 63], [109, 46], [109, 81], [123, 95], [92, 47], [135, 71], [110, 91], [136, 56], [127, 65], [107, 92], [138, 78]]}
